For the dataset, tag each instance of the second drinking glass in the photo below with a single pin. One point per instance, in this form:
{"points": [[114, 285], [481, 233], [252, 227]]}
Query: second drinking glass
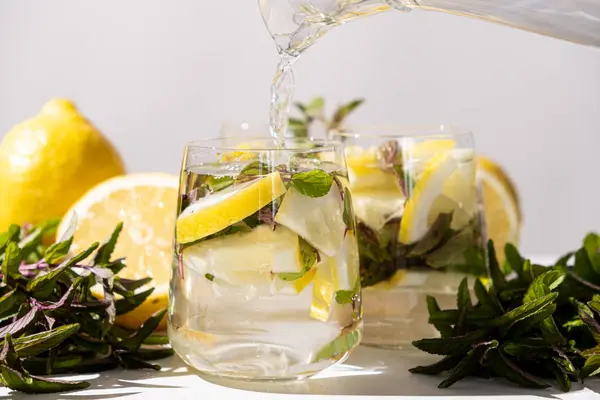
{"points": [[265, 281], [420, 228]]}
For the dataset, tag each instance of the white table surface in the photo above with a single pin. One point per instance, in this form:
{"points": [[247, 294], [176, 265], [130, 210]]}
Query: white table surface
{"points": [[369, 373]]}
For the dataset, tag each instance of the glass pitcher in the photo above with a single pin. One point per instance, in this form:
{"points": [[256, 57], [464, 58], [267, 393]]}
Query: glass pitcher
{"points": [[297, 24]]}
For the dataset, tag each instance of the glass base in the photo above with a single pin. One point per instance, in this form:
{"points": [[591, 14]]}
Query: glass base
{"points": [[395, 317], [252, 360], [256, 362]]}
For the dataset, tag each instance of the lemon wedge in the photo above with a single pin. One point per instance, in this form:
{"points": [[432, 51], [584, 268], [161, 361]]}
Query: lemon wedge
{"points": [[335, 273], [146, 204], [217, 211], [375, 209], [366, 175], [247, 259], [316, 219]]}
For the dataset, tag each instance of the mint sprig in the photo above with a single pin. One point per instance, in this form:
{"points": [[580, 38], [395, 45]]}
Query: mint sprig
{"points": [[314, 110], [535, 326], [51, 323]]}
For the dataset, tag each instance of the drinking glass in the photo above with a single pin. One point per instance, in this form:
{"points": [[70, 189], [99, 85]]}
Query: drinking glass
{"points": [[420, 225], [265, 281]]}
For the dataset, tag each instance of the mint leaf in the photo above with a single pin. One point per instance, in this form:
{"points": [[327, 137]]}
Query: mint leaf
{"points": [[445, 329], [487, 299], [58, 251], [341, 345], [591, 367], [445, 364], [505, 367], [315, 183], [106, 250], [468, 364], [253, 170], [32, 345], [134, 342], [12, 235], [591, 244], [23, 382], [439, 230], [513, 258], [308, 256], [452, 345], [342, 113], [345, 296], [218, 183], [524, 311], [495, 272], [348, 214], [12, 260], [463, 305], [123, 306]]}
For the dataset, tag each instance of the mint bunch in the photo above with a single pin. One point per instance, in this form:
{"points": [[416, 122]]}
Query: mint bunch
{"points": [[535, 326], [51, 323]]}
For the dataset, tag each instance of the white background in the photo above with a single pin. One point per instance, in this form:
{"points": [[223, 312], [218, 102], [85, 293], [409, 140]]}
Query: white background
{"points": [[154, 74]]}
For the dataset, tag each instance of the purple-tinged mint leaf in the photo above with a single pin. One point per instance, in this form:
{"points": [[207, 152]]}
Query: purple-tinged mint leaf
{"points": [[20, 324], [68, 295]]}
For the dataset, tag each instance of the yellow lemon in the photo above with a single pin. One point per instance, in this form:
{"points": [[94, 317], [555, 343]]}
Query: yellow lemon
{"points": [[146, 204], [218, 211], [49, 161], [503, 215], [428, 189], [366, 175], [429, 147], [334, 274]]}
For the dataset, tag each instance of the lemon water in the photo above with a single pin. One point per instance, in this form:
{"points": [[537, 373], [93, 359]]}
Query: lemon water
{"points": [[265, 279], [419, 228]]}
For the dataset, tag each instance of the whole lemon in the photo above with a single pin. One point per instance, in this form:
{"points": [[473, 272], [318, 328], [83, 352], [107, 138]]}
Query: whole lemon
{"points": [[49, 161]]}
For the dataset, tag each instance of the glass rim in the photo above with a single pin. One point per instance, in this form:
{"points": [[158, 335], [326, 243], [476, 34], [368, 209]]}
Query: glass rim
{"points": [[398, 131], [217, 144]]}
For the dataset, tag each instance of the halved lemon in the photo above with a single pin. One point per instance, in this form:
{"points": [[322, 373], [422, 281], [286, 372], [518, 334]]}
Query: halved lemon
{"points": [[217, 211], [146, 204], [503, 215], [318, 220]]}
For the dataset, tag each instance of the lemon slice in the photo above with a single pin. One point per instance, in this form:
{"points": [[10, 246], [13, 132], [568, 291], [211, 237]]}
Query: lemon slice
{"points": [[146, 205], [428, 188], [216, 212], [246, 259], [316, 219]]}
